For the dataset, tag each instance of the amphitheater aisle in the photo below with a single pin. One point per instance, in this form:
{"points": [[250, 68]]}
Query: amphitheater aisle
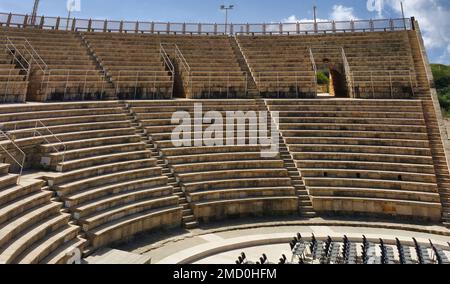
{"points": [[218, 181]]}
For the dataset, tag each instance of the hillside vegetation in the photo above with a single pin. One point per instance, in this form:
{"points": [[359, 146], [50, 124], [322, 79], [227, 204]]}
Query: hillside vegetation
{"points": [[441, 75]]}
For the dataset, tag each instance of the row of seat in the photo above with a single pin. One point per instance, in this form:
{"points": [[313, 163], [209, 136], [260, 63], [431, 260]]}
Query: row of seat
{"points": [[13, 79], [136, 67], [224, 179], [62, 68], [94, 65], [32, 227], [206, 64], [101, 170], [363, 251], [362, 156], [380, 63]]}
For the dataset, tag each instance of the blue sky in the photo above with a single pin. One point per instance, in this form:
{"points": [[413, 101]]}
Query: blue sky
{"points": [[433, 15]]}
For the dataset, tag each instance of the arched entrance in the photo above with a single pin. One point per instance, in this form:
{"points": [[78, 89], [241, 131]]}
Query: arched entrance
{"points": [[331, 80]]}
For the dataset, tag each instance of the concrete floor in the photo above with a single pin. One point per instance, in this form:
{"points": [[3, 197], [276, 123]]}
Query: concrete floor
{"points": [[223, 247]]}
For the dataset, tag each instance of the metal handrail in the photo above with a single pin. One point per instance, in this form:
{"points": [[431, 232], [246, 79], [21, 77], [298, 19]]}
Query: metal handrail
{"points": [[407, 77], [348, 74], [166, 58], [275, 77], [34, 55], [182, 60], [13, 50], [67, 73], [35, 130], [286, 72], [29, 48], [227, 75], [21, 165], [138, 74], [314, 68], [168, 63]]}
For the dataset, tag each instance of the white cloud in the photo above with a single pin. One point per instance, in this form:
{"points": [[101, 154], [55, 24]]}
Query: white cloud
{"points": [[339, 13], [291, 19], [342, 13], [433, 17], [294, 19]]}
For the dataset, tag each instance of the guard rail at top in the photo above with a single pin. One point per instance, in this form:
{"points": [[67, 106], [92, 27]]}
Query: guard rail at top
{"points": [[90, 25]]}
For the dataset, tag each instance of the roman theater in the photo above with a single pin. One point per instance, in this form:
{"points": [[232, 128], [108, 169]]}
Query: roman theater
{"points": [[356, 169]]}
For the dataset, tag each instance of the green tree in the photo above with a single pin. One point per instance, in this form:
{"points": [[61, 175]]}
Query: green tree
{"points": [[322, 78], [441, 74]]}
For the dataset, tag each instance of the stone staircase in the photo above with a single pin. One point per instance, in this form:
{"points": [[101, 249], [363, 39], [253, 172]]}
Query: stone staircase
{"points": [[33, 226], [252, 89], [189, 221], [305, 204], [439, 160], [110, 90], [433, 128]]}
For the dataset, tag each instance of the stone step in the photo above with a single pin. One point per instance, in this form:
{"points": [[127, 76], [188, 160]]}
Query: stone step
{"points": [[101, 160], [105, 180], [129, 225], [17, 191], [9, 210], [85, 173], [33, 234], [191, 225], [120, 199], [16, 225], [8, 180], [65, 251], [109, 215], [45, 247], [308, 214]]}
